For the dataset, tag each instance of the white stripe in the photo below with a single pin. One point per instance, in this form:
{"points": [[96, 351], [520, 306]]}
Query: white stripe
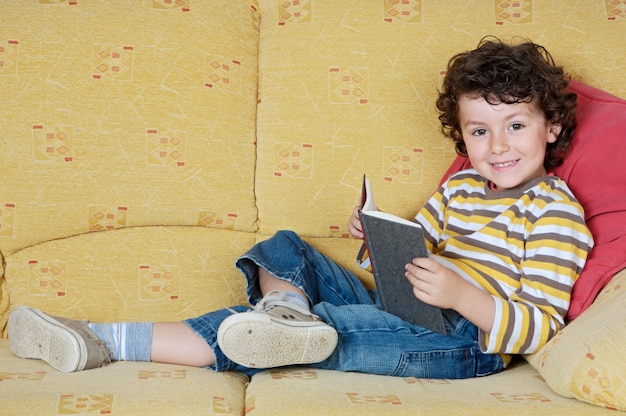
{"points": [[122, 341]]}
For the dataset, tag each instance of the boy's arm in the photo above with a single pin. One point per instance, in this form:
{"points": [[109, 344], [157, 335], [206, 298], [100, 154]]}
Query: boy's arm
{"points": [[556, 250], [476, 306]]}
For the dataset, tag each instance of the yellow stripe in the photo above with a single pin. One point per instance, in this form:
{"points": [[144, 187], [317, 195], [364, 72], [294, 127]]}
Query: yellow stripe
{"points": [[524, 320]]}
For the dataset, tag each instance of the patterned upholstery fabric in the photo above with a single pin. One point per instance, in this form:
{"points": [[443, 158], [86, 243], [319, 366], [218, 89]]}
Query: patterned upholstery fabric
{"points": [[584, 361], [146, 144], [30, 387]]}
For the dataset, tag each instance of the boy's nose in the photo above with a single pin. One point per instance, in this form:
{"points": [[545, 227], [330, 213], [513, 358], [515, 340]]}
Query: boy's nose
{"points": [[499, 143]]}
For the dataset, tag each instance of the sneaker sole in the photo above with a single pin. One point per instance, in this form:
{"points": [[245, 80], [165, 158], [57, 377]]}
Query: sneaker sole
{"points": [[259, 341], [33, 334]]}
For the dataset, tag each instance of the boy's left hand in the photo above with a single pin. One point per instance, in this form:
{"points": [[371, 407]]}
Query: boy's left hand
{"points": [[433, 283], [437, 285]]}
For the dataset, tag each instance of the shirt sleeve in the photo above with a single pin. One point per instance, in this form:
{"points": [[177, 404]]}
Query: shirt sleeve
{"points": [[556, 248], [432, 216]]}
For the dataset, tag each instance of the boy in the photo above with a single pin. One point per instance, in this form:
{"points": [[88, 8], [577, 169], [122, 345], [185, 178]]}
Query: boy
{"points": [[507, 243]]}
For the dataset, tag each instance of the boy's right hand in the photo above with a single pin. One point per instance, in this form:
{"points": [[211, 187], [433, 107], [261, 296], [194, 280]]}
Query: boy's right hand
{"points": [[355, 228]]}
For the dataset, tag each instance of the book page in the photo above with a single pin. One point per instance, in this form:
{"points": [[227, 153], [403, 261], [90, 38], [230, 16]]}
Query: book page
{"points": [[391, 217], [367, 197]]}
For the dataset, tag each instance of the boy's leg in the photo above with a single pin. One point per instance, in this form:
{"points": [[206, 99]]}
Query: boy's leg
{"points": [[176, 343], [160, 342], [367, 338], [281, 330], [290, 259], [376, 342], [71, 345], [293, 266], [277, 332]]}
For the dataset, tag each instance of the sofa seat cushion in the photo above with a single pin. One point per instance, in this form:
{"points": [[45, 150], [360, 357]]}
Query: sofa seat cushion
{"points": [[31, 387], [303, 391]]}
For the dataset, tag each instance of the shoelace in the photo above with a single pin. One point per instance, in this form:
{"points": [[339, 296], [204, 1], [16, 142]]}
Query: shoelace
{"points": [[277, 298], [272, 299], [268, 301]]}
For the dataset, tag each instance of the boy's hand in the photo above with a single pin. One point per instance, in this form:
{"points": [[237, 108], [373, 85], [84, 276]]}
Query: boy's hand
{"points": [[437, 285], [354, 224], [433, 283]]}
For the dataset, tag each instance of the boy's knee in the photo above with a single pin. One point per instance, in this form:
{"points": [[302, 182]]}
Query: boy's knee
{"points": [[290, 236]]}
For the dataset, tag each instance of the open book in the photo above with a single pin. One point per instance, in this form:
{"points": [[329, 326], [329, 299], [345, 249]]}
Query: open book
{"points": [[391, 243]]}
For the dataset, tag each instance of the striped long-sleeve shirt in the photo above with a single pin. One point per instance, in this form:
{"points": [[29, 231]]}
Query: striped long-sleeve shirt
{"points": [[524, 246]]}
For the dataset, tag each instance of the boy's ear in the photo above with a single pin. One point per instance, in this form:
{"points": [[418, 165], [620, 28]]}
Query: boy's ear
{"points": [[555, 130]]}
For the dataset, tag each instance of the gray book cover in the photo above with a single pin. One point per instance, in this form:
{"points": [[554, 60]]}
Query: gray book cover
{"points": [[392, 243]]}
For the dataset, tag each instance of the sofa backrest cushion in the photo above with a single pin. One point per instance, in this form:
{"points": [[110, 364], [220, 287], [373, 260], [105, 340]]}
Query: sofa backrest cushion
{"points": [[595, 171], [126, 125], [339, 100]]}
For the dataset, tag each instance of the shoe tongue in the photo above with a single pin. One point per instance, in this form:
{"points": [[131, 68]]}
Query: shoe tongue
{"points": [[279, 298]]}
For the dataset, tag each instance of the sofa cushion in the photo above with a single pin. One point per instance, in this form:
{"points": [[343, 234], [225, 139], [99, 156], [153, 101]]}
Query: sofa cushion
{"points": [[138, 274], [586, 359], [595, 171], [300, 391], [128, 124], [344, 91], [32, 387]]}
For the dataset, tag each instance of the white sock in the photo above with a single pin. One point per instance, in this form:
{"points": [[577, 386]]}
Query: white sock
{"points": [[297, 299], [126, 341]]}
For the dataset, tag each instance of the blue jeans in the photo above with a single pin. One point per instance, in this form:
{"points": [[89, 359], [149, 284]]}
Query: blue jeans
{"points": [[370, 340]]}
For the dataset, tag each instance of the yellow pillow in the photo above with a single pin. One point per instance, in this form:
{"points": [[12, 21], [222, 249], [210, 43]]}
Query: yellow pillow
{"points": [[586, 360]]}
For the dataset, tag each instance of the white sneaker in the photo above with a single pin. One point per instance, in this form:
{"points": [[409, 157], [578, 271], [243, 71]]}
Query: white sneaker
{"points": [[66, 344], [274, 334]]}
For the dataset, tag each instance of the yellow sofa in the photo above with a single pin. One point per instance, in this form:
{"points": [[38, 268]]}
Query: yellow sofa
{"points": [[146, 144]]}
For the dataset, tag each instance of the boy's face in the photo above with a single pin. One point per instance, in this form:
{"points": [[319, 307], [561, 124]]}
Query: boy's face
{"points": [[506, 143]]}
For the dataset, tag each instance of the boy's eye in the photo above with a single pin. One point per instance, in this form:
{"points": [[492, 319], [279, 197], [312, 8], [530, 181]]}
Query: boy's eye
{"points": [[479, 132], [517, 126]]}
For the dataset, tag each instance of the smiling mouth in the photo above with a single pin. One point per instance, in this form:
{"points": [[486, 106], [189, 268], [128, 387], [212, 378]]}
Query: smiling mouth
{"points": [[504, 164]]}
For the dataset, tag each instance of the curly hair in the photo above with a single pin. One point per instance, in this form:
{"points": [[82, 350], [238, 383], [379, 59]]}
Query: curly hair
{"points": [[509, 74]]}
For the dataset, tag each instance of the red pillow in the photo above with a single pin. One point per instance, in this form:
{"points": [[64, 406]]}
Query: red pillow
{"points": [[595, 171]]}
